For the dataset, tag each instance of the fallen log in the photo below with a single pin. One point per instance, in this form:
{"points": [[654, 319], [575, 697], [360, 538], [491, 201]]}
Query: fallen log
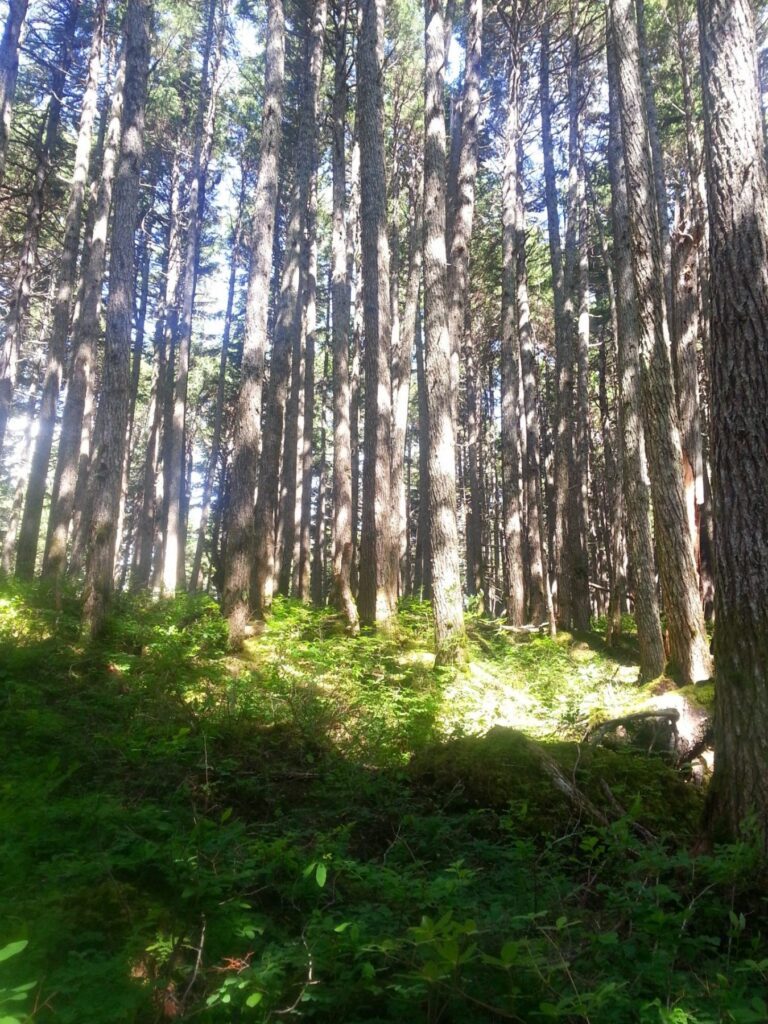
{"points": [[669, 716]]}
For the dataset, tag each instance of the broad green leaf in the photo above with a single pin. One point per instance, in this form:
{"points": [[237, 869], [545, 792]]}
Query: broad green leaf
{"points": [[12, 949]]}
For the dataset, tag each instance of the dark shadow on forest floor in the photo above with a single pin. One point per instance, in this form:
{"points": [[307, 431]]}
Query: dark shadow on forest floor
{"points": [[328, 828]]}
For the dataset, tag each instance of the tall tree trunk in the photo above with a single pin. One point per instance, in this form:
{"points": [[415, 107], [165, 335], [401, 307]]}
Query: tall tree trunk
{"points": [[576, 315], [288, 327], [9, 69], [657, 156], [563, 361], [462, 214], [302, 557], [241, 538], [84, 343], [402, 355], [218, 412], [738, 216], [378, 547], [319, 557], [205, 116], [423, 574], [112, 415], [539, 597], [685, 336], [688, 640], [341, 281], [126, 514], [581, 603], [476, 568], [306, 170], [18, 303], [145, 529], [65, 282], [443, 531], [17, 504], [636, 490], [354, 272], [612, 444], [510, 362]]}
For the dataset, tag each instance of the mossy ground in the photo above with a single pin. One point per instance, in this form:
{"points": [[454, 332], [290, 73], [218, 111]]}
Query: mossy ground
{"points": [[327, 827]]}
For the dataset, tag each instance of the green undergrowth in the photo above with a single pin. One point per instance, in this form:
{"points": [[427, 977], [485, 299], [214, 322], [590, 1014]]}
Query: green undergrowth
{"points": [[326, 828]]}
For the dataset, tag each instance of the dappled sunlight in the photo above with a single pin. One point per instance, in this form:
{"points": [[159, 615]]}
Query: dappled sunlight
{"points": [[333, 823]]}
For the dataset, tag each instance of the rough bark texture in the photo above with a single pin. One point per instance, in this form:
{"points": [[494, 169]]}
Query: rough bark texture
{"points": [[302, 565], [288, 328], [12, 530], [341, 281], [476, 562], [538, 596], [688, 641], [402, 356], [657, 156], [306, 163], [9, 69], [575, 347], [84, 342], [112, 416], [738, 213], [378, 547], [423, 575], [26, 555], [636, 488], [444, 540], [462, 214], [203, 128], [563, 363], [218, 412], [510, 364], [685, 337], [240, 547]]}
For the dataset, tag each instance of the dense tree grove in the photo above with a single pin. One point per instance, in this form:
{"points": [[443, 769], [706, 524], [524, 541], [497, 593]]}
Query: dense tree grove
{"points": [[357, 302]]}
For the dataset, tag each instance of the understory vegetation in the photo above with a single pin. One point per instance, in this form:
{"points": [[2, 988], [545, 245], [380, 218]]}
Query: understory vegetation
{"points": [[327, 828]]}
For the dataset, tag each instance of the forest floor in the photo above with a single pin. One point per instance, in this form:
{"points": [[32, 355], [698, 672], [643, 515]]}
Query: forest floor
{"points": [[326, 828]]}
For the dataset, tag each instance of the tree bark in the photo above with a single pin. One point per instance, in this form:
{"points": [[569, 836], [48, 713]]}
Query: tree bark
{"points": [[402, 356], [26, 555], [218, 412], [85, 337], [738, 216], [112, 415], [443, 531], [576, 347], [205, 117], [287, 333], [377, 595], [462, 214], [688, 641], [657, 156], [563, 360], [510, 361], [634, 479], [241, 540], [685, 336], [539, 596], [476, 511], [341, 282], [302, 570], [423, 574]]}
